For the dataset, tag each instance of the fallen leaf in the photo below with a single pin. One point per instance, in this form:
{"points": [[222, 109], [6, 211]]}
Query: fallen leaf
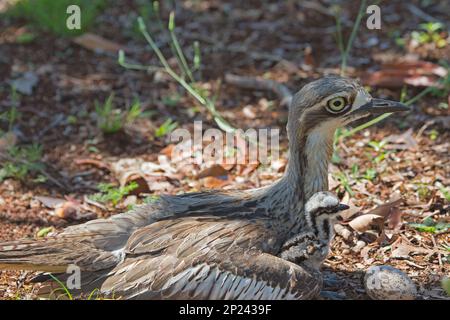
{"points": [[73, 210], [167, 151], [366, 222], [404, 141], [396, 75], [96, 43], [50, 202], [308, 60], [96, 163], [389, 212], [141, 182], [403, 250], [214, 183], [214, 171]]}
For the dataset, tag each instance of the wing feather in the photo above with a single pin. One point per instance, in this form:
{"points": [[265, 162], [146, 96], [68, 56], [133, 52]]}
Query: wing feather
{"points": [[231, 266]]}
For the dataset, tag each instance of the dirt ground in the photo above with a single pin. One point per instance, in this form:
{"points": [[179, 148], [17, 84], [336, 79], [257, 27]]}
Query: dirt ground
{"points": [[287, 41]]}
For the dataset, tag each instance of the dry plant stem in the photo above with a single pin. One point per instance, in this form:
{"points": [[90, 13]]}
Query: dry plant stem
{"points": [[221, 122], [436, 247], [283, 92], [177, 48], [352, 37]]}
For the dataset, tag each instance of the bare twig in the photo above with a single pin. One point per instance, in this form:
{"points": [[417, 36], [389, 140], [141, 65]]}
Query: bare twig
{"points": [[283, 92], [421, 14]]}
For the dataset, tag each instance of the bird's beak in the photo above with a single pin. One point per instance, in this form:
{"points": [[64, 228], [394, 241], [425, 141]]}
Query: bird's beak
{"points": [[379, 106], [342, 207]]}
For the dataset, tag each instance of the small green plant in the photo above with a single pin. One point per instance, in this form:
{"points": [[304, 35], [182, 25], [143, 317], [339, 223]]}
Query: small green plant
{"points": [[185, 77], [344, 181], [431, 226], [355, 171], [445, 191], [10, 116], [18, 162], [172, 100], [370, 174], [112, 194], [109, 120], [42, 233], [51, 15], [26, 37], [63, 288], [442, 89], [112, 120], [167, 127], [446, 285], [433, 134], [377, 145], [423, 191], [345, 50], [430, 33]]}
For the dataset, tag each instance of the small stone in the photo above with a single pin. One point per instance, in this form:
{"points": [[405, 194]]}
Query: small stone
{"points": [[359, 246], [130, 201], [26, 83], [34, 203], [389, 283]]}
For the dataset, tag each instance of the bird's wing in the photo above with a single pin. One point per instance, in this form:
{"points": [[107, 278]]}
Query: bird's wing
{"points": [[207, 258]]}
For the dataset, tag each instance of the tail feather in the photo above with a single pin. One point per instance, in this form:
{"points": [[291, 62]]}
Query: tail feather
{"points": [[55, 254]]}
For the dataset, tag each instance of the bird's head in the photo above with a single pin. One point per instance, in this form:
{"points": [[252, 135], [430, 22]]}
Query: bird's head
{"points": [[331, 102], [316, 111], [322, 210]]}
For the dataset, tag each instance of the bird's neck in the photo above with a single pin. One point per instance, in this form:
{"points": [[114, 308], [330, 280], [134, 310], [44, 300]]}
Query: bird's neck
{"points": [[307, 170]]}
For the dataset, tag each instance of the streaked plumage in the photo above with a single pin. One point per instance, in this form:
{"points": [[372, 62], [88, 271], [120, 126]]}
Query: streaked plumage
{"points": [[264, 243]]}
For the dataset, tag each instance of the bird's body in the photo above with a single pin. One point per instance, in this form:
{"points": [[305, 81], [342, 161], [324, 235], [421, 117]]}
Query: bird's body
{"points": [[265, 243]]}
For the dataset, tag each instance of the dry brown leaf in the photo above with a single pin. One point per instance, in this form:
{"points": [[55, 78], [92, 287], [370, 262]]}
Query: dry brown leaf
{"points": [[404, 141], [214, 183], [93, 162], [142, 185], [390, 212], [403, 250], [167, 151], [366, 222], [214, 171], [73, 210], [50, 202], [96, 43], [396, 75]]}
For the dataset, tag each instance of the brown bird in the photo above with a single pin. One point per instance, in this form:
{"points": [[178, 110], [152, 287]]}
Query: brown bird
{"points": [[265, 243]]}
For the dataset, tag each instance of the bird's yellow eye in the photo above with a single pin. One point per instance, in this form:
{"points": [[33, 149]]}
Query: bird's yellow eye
{"points": [[336, 105]]}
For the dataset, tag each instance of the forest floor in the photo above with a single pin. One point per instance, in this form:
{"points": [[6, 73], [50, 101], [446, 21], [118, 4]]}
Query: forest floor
{"points": [[404, 157]]}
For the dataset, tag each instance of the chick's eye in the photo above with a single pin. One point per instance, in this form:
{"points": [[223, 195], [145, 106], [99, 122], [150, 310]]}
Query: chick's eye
{"points": [[336, 105]]}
